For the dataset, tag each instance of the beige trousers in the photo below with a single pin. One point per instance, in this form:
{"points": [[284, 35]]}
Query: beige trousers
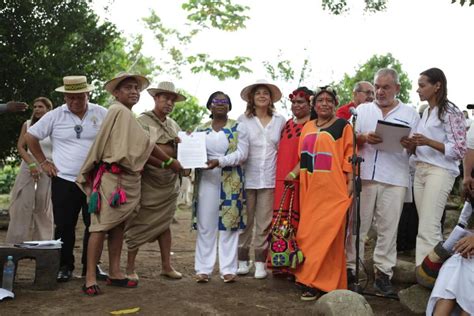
{"points": [[259, 219], [432, 186], [382, 203], [31, 215]]}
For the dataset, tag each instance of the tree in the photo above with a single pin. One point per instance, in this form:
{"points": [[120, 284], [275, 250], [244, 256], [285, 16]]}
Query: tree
{"points": [[203, 14], [366, 72], [338, 7], [188, 114], [42, 41]]}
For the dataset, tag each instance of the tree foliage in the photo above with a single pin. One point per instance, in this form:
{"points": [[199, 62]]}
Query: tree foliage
{"points": [[188, 114], [338, 7], [43, 40], [366, 72], [203, 14]]}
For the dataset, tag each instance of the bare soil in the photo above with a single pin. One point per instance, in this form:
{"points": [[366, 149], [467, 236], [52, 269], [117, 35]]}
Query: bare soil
{"points": [[157, 295]]}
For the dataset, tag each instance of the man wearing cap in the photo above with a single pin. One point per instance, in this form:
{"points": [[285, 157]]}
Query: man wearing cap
{"points": [[385, 176], [13, 106], [160, 186], [72, 128], [363, 92], [111, 176]]}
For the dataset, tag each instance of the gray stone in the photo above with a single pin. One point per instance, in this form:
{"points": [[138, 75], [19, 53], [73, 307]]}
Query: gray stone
{"points": [[342, 302], [404, 272], [415, 298]]}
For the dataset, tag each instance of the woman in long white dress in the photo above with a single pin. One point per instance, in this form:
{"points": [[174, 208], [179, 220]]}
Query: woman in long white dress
{"points": [[31, 216]]}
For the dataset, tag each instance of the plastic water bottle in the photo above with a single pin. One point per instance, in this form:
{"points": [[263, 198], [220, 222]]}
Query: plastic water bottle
{"points": [[8, 274]]}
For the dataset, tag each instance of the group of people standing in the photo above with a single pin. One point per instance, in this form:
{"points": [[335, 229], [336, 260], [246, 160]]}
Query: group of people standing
{"points": [[104, 154]]}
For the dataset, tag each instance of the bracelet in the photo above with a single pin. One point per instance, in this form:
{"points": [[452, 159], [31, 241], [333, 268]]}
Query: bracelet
{"points": [[168, 162], [43, 162], [293, 175], [32, 165]]}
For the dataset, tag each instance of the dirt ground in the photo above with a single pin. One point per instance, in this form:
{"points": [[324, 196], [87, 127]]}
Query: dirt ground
{"points": [[157, 295]]}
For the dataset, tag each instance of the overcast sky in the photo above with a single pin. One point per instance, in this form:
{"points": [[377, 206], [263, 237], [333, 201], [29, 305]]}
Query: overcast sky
{"points": [[419, 33]]}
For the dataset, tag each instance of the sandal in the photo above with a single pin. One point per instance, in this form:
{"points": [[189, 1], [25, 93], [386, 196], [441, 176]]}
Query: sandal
{"points": [[229, 278], [202, 278], [126, 282], [310, 294], [132, 276], [92, 290]]}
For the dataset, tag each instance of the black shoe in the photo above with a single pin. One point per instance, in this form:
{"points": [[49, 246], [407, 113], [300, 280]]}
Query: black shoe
{"points": [[383, 285], [64, 275], [99, 274]]}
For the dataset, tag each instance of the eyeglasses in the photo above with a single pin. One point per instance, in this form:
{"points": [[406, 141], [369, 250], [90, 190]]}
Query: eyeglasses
{"points": [[220, 102], [367, 92]]}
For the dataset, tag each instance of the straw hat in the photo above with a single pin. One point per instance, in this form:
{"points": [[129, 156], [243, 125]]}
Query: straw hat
{"points": [[166, 87], [75, 84], [110, 85], [274, 90]]}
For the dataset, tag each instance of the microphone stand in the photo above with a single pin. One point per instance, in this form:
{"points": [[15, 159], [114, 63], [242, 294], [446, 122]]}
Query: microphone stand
{"points": [[356, 161]]}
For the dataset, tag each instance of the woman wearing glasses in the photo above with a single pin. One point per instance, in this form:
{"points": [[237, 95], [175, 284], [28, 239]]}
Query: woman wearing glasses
{"points": [[219, 211], [325, 174]]}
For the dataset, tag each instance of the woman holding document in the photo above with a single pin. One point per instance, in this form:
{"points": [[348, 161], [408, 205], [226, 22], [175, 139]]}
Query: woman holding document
{"points": [[439, 143], [219, 210]]}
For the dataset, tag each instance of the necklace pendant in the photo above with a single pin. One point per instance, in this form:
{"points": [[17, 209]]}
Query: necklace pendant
{"points": [[78, 130]]}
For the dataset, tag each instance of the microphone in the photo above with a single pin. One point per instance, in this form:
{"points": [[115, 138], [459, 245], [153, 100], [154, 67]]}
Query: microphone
{"points": [[353, 111]]}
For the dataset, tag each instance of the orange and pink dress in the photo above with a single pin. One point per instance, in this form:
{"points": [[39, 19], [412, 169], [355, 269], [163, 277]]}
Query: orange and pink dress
{"points": [[324, 201]]}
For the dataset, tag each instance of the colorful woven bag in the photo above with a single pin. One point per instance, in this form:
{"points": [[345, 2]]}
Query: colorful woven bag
{"points": [[283, 249]]}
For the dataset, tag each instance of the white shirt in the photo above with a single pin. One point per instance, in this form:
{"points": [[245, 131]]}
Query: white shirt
{"points": [[470, 137], [69, 152], [378, 165], [450, 132], [260, 167]]}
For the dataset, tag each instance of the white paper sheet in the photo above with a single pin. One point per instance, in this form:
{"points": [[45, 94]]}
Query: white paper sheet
{"points": [[391, 135], [457, 233], [192, 150], [41, 244]]}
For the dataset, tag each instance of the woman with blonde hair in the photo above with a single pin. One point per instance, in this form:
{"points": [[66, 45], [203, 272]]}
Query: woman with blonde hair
{"points": [[31, 215]]}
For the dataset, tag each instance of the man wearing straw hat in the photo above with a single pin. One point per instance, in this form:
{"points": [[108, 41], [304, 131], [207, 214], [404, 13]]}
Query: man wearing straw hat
{"points": [[72, 127], [111, 176]]}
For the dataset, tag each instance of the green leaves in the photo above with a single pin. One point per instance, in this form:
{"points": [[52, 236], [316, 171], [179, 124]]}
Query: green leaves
{"points": [[221, 14], [366, 72], [462, 2], [338, 7], [204, 14]]}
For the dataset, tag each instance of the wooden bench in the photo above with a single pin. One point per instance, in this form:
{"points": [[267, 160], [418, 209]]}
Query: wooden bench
{"points": [[47, 264]]}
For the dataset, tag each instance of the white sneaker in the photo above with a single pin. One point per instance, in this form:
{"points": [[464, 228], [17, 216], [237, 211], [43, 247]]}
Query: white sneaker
{"points": [[244, 267], [260, 272]]}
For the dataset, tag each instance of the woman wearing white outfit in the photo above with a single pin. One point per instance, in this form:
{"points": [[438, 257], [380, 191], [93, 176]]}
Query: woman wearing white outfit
{"points": [[440, 140], [31, 216], [219, 209], [264, 126]]}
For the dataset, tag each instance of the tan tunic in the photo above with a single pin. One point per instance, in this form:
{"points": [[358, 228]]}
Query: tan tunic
{"points": [[120, 140], [159, 190]]}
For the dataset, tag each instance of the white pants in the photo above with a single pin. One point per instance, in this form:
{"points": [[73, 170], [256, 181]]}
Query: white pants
{"points": [[384, 203], [209, 238], [432, 186]]}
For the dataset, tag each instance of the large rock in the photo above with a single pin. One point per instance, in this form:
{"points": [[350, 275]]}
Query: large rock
{"points": [[415, 298], [342, 302], [404, 272]]}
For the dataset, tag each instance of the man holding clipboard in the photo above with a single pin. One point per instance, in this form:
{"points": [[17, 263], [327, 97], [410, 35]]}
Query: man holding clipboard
{"points": [[382, 129]]}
